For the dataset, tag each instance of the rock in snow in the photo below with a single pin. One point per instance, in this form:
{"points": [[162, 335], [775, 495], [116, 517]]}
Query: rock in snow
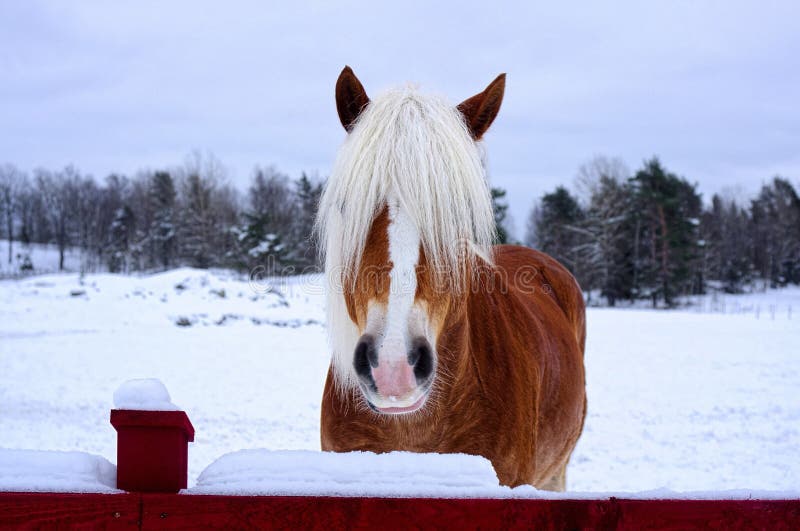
{"points": [[42, 471], [145, 394]]}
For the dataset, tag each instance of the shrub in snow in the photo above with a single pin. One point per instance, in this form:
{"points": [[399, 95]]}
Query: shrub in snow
{"points": [[183, 321]]}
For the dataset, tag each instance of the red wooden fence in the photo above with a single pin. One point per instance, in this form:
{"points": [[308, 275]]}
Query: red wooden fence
{"points": [[180, 511], [151, 460]]}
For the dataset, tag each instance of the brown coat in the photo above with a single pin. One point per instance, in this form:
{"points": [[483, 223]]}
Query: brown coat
{"points": [[510, 381]]}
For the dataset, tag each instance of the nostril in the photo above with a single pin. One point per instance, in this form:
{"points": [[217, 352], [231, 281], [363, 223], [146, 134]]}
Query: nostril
{"points": [[421, 358], [415, 353], [365, 357]]}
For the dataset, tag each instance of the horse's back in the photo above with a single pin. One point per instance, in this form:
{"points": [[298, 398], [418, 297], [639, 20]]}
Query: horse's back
{"points": [[532, 272]]}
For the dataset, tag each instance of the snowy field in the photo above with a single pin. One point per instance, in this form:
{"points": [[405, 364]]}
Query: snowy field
{"points": [[43, 258], [706, 398]]}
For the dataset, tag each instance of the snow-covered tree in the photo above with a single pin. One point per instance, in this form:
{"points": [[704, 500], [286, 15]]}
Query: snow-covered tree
{"points": [[162, 230]]}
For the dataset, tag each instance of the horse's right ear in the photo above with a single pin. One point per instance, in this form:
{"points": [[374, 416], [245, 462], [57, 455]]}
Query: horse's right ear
{"points": [[480, 110], [351, 98]]}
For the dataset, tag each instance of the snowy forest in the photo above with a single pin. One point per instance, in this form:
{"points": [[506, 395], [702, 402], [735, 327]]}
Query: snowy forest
{"points": [[158, 220], [649, 235], [626, 236]]}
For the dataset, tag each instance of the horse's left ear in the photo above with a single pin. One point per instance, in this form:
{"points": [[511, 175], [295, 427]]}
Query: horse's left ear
{"points": [[351, 98], [481, 109]]}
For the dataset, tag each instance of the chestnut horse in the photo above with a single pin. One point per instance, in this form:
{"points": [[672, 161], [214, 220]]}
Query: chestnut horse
{"points": [[441, 342]]}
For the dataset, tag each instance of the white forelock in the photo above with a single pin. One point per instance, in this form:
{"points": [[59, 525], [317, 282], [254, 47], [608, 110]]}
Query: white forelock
{"points": [[415, 150]]}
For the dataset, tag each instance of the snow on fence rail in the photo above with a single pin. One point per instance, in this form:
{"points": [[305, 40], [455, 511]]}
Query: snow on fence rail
{"points": [[317, 490]]}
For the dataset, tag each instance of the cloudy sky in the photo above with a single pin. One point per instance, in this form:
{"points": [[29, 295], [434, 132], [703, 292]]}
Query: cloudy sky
{"points": [[711, 87]]}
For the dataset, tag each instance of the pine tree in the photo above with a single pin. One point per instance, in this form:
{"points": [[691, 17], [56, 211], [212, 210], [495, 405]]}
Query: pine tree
{"points": [[266, 237], [606, 255], [500, 209], [725, 246], [162, 233], [667, 210], [197, 221], [122, 231], [558, 216], [308, 194], [775, 233]]}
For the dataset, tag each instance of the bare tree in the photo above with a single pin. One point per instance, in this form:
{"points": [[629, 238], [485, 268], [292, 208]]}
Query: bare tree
{"points": [[588, 179], [11, 180], [60, 197], [602, 187]]}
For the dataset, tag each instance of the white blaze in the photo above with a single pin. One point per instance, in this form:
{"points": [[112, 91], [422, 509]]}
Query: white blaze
{"points": [[404, 242]]}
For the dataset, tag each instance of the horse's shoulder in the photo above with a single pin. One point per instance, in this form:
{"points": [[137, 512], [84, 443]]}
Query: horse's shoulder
{"points": [[532, 271]]}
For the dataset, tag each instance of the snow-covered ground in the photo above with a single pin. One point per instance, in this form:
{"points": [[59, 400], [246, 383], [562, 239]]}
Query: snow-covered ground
{"points": [[684, 400]]}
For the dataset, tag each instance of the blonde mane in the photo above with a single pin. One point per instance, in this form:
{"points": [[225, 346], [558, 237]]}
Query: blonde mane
{"points": [[415, 151]]}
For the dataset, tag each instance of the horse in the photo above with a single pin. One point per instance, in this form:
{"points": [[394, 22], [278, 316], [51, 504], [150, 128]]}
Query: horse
{"points": [[441, 341]]}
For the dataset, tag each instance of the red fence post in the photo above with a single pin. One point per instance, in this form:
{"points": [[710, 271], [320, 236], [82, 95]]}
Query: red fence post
{"points": [[152, 449]]}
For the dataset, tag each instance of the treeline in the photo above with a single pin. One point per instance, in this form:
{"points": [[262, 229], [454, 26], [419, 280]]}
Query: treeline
{"points": [[649, 236], [625, 237], [163, 219]]}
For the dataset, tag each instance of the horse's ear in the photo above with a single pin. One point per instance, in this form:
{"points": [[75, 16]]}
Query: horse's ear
{"points": [[481, 109], [351, 98]]}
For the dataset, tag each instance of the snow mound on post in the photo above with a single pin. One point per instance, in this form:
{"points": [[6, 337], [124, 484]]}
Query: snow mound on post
{"points": [[144, 394], [41, 471], [305, 473]]}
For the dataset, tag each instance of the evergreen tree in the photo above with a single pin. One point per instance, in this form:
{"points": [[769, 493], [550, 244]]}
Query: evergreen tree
{"points": [[197, 221], [666, 212], [557, 218], [111, 200], [775, 233], [500, 209], [162, 233], [725, 246], [607, 227], [265, 239], [308, 194], [121, 240]]}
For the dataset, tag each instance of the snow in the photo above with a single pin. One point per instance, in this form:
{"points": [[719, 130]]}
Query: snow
{"points": [[350, 474], [699, 399], [40, 471], [689, 402], [144, 394], [395, 475]]}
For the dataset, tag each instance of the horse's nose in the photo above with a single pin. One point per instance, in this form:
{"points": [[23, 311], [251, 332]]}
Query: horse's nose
{"points": [[421, 358], [365, 358], [393, 377]]}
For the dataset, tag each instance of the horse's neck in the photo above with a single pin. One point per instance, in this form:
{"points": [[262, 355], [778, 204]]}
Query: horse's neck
{"points": [[457, 342], [481, 323]]}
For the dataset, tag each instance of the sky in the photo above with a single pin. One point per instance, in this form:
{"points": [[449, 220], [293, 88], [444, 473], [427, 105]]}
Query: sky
{"points": [[710, 87]]}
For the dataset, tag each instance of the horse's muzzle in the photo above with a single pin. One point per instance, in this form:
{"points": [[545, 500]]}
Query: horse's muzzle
{"points": [[397, 384]]}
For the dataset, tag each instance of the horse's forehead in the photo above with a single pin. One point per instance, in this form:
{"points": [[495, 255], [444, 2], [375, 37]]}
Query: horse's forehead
{"points": [[376, 248], [404, 243], [390, 259]]}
